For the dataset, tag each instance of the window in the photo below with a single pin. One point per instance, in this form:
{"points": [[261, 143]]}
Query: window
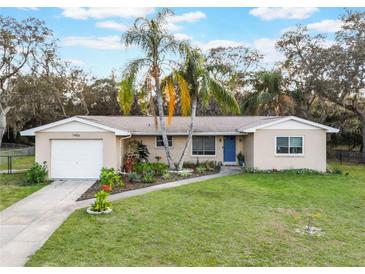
{"points": [[289, 145], [159, 141], [203, 145]]}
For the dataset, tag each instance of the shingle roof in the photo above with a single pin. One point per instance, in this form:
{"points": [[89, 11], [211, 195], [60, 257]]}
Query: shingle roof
{"points": [[179, 125]]}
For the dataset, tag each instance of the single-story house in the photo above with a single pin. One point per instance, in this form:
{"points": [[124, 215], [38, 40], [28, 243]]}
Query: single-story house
{"points": [[78, 147]]}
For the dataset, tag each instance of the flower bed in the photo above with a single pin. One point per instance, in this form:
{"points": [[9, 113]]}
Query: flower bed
{"points": [[129, 185]]}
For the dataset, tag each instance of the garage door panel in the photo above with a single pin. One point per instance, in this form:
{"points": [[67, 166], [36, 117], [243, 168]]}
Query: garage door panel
{"points": [[76, 158]]}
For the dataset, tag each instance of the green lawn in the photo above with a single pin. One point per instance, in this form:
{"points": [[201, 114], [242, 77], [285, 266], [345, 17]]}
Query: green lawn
{"points": [[242, 220], [19, 162], [13, 190]]}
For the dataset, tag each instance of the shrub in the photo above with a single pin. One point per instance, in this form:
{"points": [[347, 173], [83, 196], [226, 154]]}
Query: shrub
{"points": [[109, 177], [200, 169], [149, 178], [134, 177], [210, 165], [129, 161], [240, 157], [156, 168], [106, 188], [139, 150], [159, 168], [37, 174], [189, 165], [143, 168], [184, 173], [101, 203], [166, 176]]}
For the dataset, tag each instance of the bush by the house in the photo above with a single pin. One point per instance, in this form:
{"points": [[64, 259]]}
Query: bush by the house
{"points": [[101, 203], [156, 168], [108, 176], [134, 177], [129, 161], [184, 173], [149, 178], [37, 174], [303, 171], [106, 188], [140, 150], [200, 169]]}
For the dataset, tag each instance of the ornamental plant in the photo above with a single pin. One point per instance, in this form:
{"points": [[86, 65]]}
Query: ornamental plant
{"points": [[101, 203], [109, 177], [37, 174], [106, 188]]}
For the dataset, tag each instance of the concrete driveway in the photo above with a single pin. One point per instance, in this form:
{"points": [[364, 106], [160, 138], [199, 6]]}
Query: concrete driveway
{"points": [[26, 225]]}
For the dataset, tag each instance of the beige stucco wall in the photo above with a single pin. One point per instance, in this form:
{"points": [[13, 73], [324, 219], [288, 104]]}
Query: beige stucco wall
{"points": [[248, 149], [111, 156], [314, 150], [178, 143]]}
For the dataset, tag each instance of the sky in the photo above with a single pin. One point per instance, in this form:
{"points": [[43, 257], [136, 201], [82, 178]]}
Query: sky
{"points": [[90, 37]]}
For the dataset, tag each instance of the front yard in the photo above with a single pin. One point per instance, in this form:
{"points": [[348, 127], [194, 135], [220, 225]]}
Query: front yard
{"points": [[241, 220], [12, 189]]}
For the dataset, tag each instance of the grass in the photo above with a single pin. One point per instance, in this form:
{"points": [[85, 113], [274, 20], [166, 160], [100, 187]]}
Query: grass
{"points": [[242, 220], [13, 190], [19, 162]]}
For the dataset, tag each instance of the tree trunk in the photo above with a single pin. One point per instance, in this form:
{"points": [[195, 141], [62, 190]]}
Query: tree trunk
{"points": [[3, 113], [190, 136], [362, 119], [163, 125]]}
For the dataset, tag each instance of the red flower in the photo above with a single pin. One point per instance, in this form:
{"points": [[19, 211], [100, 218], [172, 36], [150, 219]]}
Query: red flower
{"points": [[106, 188]]}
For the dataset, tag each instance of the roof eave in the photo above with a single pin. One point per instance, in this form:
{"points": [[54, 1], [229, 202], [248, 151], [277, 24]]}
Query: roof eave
{"points": [[33, 131]]}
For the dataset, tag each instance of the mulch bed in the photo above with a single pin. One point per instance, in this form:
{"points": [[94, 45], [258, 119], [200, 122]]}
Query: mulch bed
{"points": [[90, 193]]}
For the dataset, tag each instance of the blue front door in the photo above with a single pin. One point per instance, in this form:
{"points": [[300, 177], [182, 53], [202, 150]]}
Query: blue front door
{"points": [[229, 149]]}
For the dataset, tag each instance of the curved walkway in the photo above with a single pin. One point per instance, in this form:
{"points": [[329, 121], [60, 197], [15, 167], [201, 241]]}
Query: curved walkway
{"points": [[26, 225]]}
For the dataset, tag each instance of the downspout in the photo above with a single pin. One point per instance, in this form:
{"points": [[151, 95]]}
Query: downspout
{"points": [[120, 144]]}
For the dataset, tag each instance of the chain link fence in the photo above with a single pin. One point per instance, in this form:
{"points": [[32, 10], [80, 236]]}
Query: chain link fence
{"points": [[16, 158], [346, 156]]}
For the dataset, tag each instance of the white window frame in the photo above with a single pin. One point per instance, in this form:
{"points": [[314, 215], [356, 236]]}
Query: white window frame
{"points": [[289, 154], [172, 141], [202, 155]]}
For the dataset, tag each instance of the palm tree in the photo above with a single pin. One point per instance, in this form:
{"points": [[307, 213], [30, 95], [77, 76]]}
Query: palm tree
{"points": [[152, 37], [268, 96], [197, 86]]}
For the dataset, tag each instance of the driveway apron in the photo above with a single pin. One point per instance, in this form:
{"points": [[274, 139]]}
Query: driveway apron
{"points": [[26, 225]]}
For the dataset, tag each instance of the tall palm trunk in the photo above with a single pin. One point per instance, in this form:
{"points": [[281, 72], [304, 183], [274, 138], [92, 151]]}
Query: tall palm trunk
{"points": [[162, 121], [190, 136]]}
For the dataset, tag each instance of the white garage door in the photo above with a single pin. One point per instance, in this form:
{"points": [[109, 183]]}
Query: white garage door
{"points": [[76, 158]]}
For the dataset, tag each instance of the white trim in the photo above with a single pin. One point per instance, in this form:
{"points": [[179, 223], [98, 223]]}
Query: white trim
{"points": [[200, 155], [289, 154], [32, 131], [284, 119]]}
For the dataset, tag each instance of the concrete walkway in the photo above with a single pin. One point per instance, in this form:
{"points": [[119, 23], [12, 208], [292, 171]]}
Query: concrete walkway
{"points": [[225, 171], [26, 225]]}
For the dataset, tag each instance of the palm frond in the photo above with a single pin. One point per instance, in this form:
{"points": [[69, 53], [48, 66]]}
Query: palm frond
{"points": [[223, 97], [184, 94], [126, 93], [171, 98]]}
